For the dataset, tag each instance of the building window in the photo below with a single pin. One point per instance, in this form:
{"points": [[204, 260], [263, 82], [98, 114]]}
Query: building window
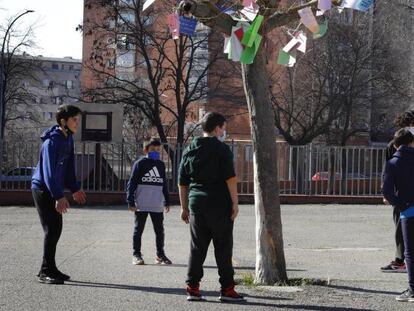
{"points": [[62, 67], [51, 85], [48, 115], [55, 66], [126, 60], [69, 84], [70, 67], [45, 82], [110, 63]]}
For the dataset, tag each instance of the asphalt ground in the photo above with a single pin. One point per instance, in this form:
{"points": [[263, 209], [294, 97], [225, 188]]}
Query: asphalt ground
{"points": [[343, 245]]}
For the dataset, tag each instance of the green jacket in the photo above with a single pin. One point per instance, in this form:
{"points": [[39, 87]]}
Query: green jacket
{"points": [[205, 166]]}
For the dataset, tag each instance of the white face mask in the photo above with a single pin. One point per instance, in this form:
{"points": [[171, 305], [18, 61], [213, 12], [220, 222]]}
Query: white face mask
{"points": [[411, 129], [222, 138]]}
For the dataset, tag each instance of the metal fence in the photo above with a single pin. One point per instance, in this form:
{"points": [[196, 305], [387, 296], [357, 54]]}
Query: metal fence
{"points": [[309, 170]]}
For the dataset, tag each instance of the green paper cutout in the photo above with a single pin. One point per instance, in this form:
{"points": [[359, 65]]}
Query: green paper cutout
{"points": [[284, 58], [249, 53], [251, 34], [323, 28]]}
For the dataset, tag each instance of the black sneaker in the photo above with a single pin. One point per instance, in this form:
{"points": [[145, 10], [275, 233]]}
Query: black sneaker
{"points": [[61, 275], [394, 267], [406, 296], [162, 260], [230, 295], [138, 260], [49, 279]]}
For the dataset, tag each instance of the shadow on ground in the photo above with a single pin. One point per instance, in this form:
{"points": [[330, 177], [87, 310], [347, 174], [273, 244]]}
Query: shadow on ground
{"points": [[363, 290], [267, 301]]}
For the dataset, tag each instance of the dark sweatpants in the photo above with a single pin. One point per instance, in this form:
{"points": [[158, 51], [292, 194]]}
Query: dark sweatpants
{"points": [[158, 224], [51, 222], [209, 225], [407, 225], [399, 241]]}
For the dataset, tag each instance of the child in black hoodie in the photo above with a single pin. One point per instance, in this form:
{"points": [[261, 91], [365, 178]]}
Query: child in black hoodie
{"points": [[398, 189]]}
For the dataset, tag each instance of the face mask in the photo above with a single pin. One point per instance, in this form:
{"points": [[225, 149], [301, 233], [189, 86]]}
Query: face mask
{"points": [[411, 129], [222, 138], [68, 130], [155, 155]]}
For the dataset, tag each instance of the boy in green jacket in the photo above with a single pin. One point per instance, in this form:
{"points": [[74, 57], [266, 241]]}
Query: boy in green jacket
{"points": [[208, 195]]}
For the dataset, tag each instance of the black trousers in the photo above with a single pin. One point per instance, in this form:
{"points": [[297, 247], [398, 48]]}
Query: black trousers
{"points": [[205, 226], [51, 222], [158, 224], [407, 225], [399, 240]]}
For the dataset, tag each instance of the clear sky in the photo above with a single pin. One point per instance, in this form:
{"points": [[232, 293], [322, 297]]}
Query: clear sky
{"points": [[55, 22]]}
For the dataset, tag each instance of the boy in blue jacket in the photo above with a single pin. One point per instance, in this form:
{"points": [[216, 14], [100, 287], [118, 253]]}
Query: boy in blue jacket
{"points": [[147, 193], [55, 172], [398, 190]]}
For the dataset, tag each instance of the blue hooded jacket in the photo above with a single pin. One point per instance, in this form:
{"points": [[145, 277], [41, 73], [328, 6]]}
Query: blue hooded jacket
{"points": [[398, 185], [56, 168]]}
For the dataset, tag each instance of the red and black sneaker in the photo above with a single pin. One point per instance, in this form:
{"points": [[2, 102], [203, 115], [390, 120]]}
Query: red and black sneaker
{"points": [[193, 293], [394, 267], [230, 295]]}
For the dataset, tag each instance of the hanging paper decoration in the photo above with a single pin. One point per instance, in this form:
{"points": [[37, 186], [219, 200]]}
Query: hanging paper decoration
{"points": [[298, 42], [308, 19], [236, 49], [174, 25], [232, 44], [147, 4], [323, 28], [286, 59], [301, 37], [187, 25], [239, 33], [324, 5], [250, 9], [249, 53], [361, 5], [250, 35]]}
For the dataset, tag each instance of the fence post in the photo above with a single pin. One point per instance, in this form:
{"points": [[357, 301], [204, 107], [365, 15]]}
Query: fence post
{"points": [[98, 166]]}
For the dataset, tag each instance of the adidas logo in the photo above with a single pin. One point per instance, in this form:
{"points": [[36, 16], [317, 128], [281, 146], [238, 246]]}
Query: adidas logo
{"points": [[153, 176]]}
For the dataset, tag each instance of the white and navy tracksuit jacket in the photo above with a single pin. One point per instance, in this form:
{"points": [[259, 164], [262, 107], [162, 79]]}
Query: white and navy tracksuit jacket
{"points": [[147, 186]]}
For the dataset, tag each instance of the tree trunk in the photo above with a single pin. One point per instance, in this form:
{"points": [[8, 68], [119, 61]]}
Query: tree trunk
{"points": [[270, 258]]}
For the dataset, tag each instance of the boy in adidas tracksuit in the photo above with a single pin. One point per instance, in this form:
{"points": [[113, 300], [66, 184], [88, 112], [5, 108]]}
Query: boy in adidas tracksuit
{"points": [[147, 193]]}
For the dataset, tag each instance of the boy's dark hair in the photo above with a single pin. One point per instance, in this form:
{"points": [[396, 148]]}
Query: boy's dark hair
{"points": [[211, 120], [405, 119], [66, 111], [151, 142], [403, 137]]}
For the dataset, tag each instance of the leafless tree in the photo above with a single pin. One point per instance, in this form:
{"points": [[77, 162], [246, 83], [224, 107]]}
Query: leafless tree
{"points": [[270, 259], [17, 67], [138, 64]]}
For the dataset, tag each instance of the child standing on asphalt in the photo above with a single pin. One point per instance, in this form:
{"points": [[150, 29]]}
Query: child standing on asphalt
{"points": [[404, 120], [209, 203], [55, 172], [147, 193], [398, 189]]}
